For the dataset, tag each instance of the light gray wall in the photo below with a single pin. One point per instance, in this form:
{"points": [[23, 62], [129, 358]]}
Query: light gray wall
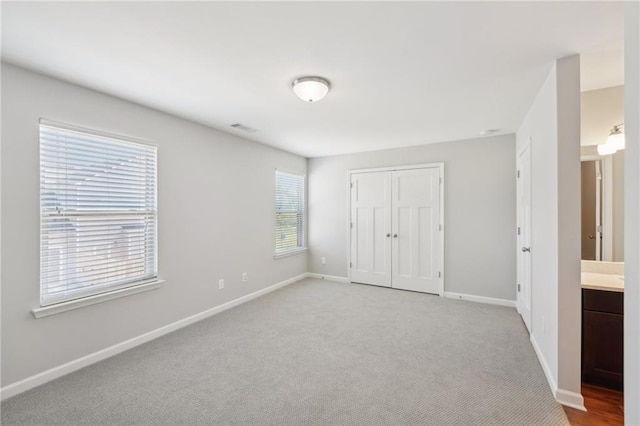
{"points": [[553, 124], [600, 110], [216, 220], [632, 215], [479, 210], [569, 280]]}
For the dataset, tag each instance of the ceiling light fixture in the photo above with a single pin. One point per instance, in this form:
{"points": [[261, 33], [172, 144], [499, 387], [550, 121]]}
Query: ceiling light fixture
{"points": [[615, 141], [310, 89]]}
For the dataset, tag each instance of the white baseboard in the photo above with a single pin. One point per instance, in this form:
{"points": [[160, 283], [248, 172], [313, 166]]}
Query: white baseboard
{"points": [[545, 366], [61, 370], [564, 397], [570, 399], [480, 299], [328, 277]]}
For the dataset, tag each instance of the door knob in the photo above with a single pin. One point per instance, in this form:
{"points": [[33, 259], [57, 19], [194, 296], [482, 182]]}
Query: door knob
{"points": [[591, 237], [388, 235], [395, 235], [525, 249]]}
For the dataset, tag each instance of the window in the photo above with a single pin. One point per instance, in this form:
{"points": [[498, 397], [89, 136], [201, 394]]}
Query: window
{"points": [[289, 213], [98, 215]]}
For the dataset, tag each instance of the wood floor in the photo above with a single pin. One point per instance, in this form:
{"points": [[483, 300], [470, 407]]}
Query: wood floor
{"points": [[604, 407]]}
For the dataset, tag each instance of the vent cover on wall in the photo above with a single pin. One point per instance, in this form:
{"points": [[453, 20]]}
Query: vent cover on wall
{"points": [[243, 128]]}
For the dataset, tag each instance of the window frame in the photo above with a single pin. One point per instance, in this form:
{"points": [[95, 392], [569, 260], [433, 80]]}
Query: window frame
{"points": [[96, 293], [279, 253]]}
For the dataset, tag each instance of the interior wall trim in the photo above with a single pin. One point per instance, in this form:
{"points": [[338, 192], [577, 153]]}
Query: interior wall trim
{"points": [[328, 277], [480, 299], [564, 397], [544, 365], [570, 399]]}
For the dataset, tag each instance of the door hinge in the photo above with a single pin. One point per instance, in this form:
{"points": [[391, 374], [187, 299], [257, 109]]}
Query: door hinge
{"points": [[518, 230], [439, 227], [440, 180], [518, 287], [350, 265], [518, 173], [351, 225], [439, 274], [351, 185]]}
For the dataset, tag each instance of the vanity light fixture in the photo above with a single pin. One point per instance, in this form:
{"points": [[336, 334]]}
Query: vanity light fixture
{"points": [[310, 89], [616, 137], [615, 141]]}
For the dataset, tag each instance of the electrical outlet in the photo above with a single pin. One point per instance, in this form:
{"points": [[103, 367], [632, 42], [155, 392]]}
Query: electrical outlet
{"points": [[245, 277], [220, 284], [324, 260]]}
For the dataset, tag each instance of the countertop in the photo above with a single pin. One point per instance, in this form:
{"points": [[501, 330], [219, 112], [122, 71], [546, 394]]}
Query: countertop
{"points": [[606, 282]]}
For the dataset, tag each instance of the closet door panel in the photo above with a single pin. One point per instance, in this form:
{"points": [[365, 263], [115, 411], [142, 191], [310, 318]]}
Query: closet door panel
{"points": [[426, 243], [370, 228], [415, 216]]}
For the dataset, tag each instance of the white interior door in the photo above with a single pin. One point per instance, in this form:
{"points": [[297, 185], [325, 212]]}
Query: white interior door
{"points": [[416, 249], [523, 189], [371, 228]]}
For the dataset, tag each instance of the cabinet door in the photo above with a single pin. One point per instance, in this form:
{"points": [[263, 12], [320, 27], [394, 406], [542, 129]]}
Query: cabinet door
{"points": [[602, 348]]}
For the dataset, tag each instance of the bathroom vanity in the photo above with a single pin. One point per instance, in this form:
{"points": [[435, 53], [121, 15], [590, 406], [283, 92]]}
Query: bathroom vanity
{"points": [[602, 326]]}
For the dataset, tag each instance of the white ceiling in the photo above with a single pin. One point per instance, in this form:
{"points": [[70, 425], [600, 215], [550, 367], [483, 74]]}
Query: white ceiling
{"points": [[402, 73]]}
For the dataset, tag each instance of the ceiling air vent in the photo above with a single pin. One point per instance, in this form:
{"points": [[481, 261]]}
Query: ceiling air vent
{"points": [[243, 128]]}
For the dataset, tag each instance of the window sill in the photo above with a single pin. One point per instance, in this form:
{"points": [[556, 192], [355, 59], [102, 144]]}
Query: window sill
{"points": [[58, 308], [289, 253]]}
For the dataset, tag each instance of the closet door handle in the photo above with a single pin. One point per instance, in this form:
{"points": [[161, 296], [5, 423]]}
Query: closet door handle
{"points": [[388, 235], [395, 235]]}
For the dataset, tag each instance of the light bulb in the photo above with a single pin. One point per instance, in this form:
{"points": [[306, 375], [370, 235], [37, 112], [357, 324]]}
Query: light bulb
{"points": [[616, 140], [606, 149]]}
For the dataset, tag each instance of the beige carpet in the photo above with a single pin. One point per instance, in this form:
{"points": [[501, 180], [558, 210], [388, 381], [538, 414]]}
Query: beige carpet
{"points": [[315, 353]]}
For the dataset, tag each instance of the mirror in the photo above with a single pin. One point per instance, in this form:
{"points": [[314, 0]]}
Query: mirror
{"points": [[602, 187]]}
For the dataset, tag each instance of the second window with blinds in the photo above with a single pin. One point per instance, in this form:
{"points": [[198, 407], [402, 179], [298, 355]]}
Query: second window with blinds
{"points": [[290, 213]]}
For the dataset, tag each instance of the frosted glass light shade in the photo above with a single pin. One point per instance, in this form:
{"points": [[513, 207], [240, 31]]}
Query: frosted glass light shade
{"points": [[616, 139], [310, 89], [606, 149]]}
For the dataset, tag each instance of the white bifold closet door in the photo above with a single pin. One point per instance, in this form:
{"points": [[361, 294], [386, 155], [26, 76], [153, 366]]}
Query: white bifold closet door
{"points": [[371, 228], [395, 229]]}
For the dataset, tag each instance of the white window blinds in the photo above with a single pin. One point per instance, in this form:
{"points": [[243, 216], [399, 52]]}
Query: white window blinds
{"points": [[289, 212], [98, 215]]}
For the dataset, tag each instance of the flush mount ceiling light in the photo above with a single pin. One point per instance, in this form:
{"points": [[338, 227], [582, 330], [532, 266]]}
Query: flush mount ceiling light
{"points": [[615, 141], [310, 89]]}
